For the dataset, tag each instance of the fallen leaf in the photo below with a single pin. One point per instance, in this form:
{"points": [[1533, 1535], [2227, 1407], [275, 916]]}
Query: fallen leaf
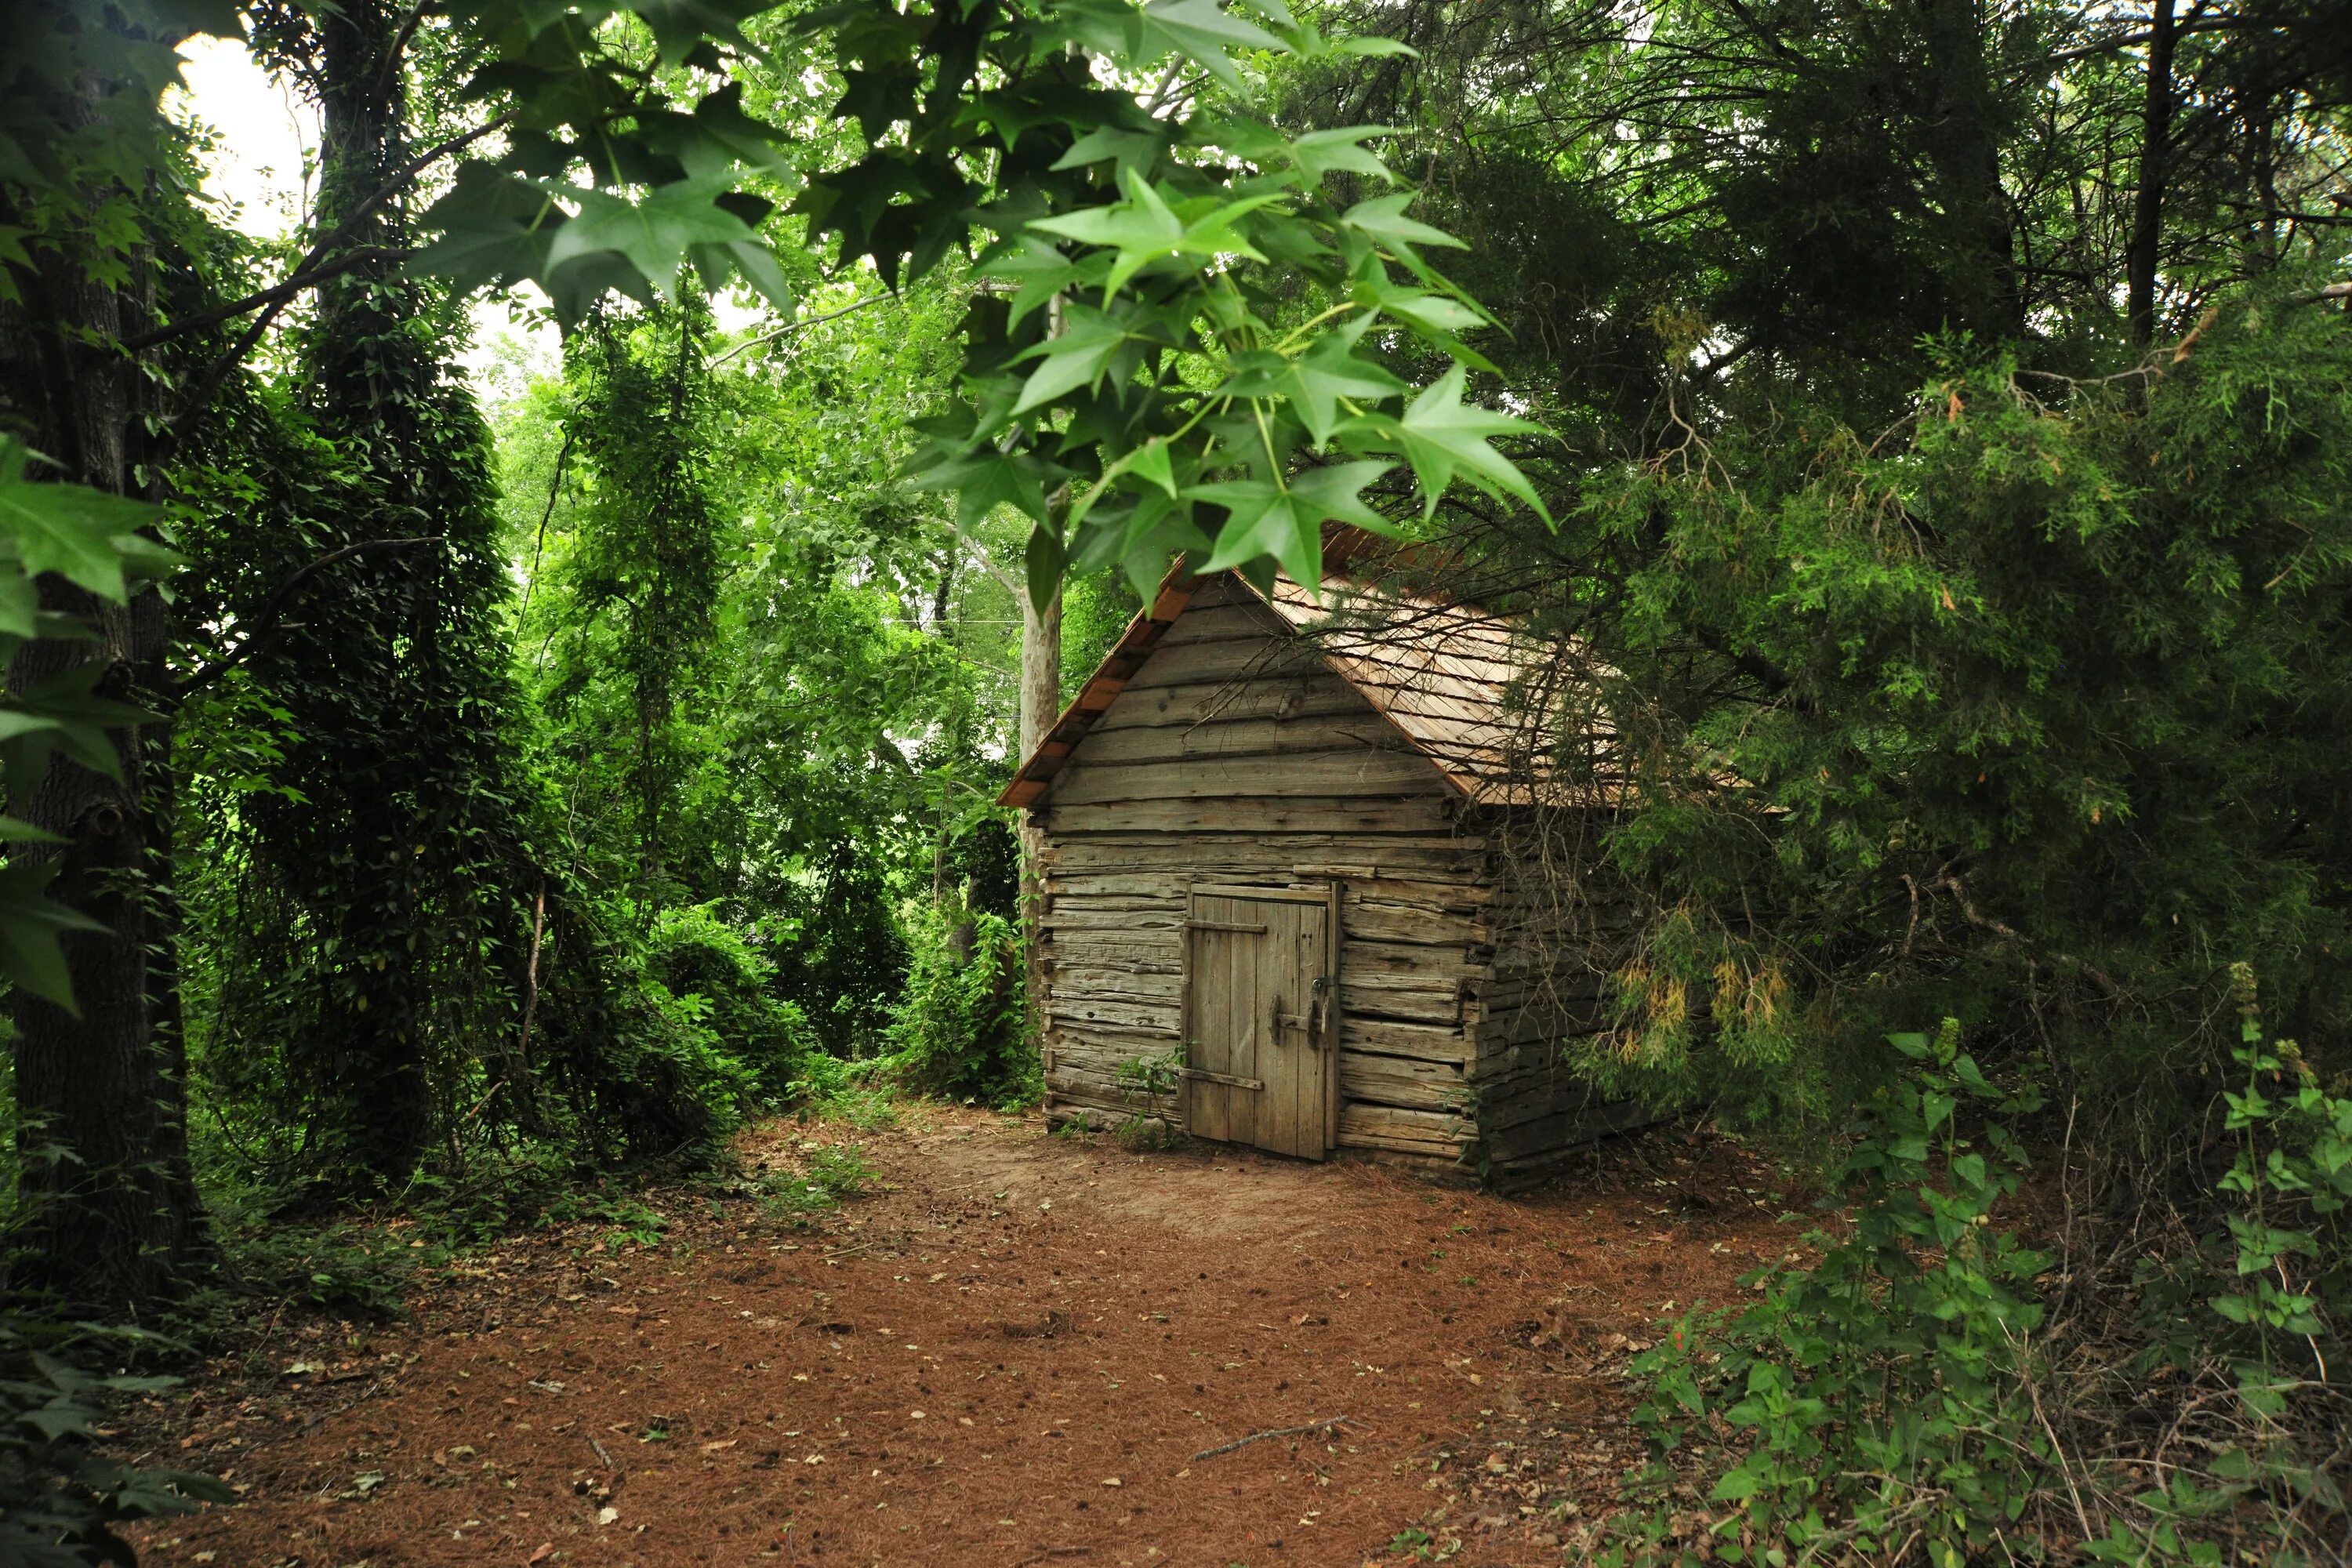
{"points": [[608, 1514], [546, 1550], [1113, 1481], [715, 1448]]}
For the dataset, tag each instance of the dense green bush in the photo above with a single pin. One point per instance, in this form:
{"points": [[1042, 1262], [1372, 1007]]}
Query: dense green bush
{"points": [[1883, 1395], [961, 1028], [694, 953]]}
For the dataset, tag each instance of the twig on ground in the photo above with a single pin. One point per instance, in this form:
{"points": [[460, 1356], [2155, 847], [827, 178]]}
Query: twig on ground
{"points": [[1276, 1432], [603, 1456], [1045, 1552]]}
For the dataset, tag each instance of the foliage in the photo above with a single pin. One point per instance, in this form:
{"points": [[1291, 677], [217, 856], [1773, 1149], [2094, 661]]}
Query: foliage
{"points": [[696, 956], [104, 544], [1886, 1392], [59, 1501], [1920, 697], [961, 1028], [1137, 189], [827, 1176]]}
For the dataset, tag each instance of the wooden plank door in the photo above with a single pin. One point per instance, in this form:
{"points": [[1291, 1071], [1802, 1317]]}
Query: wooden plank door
{"points": [[1261, 1018]]}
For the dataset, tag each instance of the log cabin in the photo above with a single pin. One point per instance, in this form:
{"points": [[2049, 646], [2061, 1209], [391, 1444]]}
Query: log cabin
{"points": [[1276, 860]]}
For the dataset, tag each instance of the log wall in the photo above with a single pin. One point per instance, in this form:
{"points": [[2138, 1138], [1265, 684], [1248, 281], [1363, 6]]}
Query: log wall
{"points": [[1236, 756], [1548, 985]]}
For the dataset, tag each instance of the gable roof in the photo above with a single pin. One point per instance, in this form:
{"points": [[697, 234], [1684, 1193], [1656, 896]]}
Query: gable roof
{"points": [[1442, 673]]}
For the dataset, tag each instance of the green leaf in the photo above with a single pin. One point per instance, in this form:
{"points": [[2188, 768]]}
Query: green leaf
{"points": [[1044, 562], [653, 234], [1286, 523], [761, 269], [984, 481], [1149, 461], [1334, 493], [1383, 218], [1444, 437], [30, 925], [1136, 150], [1329, 372], [1041, 270], [1372, 45], [1320, 152], [1202, 32], [1075, 356], [67, 529], [1146, 227]]}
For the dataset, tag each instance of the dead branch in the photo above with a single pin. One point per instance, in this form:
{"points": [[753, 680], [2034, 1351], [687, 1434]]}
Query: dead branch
{"points": [[1334, 1423]]}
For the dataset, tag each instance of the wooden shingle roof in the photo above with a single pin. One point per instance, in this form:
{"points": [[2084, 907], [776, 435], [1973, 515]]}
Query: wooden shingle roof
{"points": [[1445, 675]]}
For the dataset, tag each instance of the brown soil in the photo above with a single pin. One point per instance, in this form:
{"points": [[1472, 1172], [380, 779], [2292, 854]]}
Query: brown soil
{"points": [[1017, 1350]]}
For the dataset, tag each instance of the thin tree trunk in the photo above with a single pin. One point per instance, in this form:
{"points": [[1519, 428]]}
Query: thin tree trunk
{"points": [[1041, 704], [2155, 170]]}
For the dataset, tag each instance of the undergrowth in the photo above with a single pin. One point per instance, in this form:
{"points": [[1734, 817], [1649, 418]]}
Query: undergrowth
{"points": [[59, 1498], [1912, 1396]]}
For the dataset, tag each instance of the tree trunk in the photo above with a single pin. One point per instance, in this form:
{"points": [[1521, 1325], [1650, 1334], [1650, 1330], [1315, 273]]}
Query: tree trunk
{"points": [[1041, 704], [112, 1220], [1970, 114], [368, 370], [2155, 170]]}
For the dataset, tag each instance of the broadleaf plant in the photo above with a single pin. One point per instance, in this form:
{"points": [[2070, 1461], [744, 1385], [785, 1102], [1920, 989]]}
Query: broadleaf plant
{"points": [[1165, 355]]}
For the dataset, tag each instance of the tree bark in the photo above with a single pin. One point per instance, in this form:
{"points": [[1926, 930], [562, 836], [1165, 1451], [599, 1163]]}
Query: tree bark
{"points": [[2155, 171], [364, 363], [1966, 152], [1041, 704], [111, 1222]]}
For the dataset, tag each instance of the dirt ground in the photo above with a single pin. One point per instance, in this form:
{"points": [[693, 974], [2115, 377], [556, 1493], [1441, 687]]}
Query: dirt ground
{"points": [[1016, 1350]]}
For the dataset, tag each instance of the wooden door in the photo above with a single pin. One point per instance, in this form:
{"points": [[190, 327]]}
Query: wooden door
{"points": [[1261, 1018]]}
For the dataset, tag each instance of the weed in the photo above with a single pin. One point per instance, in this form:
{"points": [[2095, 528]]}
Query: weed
{"points": [[1145, 1083], [827, 1176]]}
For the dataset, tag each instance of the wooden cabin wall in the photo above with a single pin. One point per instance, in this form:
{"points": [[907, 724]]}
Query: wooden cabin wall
{"points": [[1234, 755], [1548, 985]]}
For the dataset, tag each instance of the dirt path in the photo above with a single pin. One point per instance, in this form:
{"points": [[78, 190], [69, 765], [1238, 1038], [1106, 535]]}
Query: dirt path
{"points": [[1023, 1351]]}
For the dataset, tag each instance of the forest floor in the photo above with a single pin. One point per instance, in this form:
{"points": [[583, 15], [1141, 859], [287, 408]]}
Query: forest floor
{"points": [[1015, 1348]]}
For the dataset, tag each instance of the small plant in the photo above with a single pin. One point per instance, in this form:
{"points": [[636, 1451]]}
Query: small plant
{"points": [[630, 1220], [357, 1269], [2293, 1179], [828, 1175], [59, 1501], [1146, 1083]]}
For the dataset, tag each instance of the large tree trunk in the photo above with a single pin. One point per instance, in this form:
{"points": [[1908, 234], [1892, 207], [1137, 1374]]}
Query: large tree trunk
{"points": [[362, 363], [2155, 171], [112, 1219]]}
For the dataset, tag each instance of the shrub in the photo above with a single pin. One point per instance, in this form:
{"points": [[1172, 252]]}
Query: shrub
{"points": [[961, 1027], [1885, 1394], [694, 953], [829, 1175], [1903, 1400]]}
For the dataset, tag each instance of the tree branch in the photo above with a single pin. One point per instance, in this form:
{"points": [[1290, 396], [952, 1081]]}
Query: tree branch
{"points": [[308, 271], [791, 327]]}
